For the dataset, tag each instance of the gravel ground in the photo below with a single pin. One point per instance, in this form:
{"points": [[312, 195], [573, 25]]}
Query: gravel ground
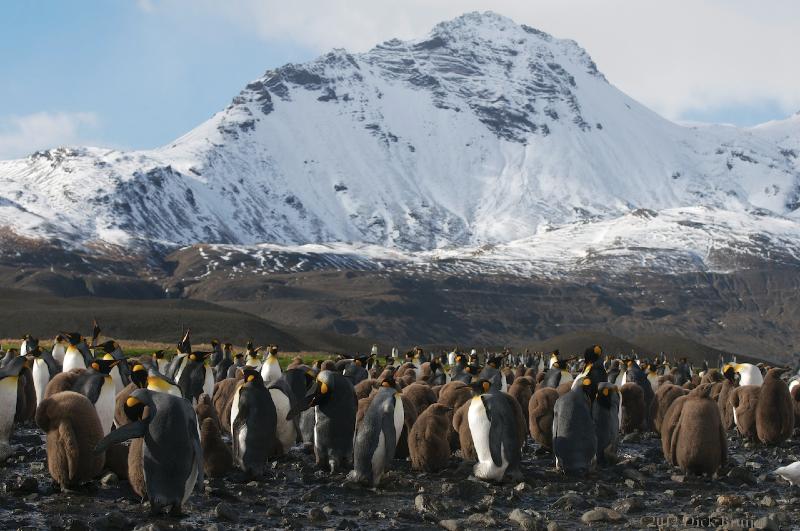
{"points": [[641, 491]]}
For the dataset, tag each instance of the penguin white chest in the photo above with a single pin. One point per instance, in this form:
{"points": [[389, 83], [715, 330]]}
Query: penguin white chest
{"points": [[41, 376], [287, 435], [117, 378], [750, 375], [480, 426], [270, 371], [241, 436], [105, 405], [399, 417], [58, 353], [208, 381], [162, 365], [73, 359]]}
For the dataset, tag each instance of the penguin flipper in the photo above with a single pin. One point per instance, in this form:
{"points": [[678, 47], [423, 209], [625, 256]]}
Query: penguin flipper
{"points": [[122, 434], [495, 433], [92, 387]]}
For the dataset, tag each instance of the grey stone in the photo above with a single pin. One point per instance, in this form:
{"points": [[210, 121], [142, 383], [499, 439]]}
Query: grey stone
{"points": [[315, 514], [629, 505], [225, 511], [451, 525], [524, 520]]}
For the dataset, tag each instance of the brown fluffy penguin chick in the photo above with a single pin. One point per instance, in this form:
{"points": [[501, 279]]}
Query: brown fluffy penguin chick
{"points": [[775, 411], [665, 379], [522, 391], [73, 430], [671, 419], [522, 425], [428, 443], [665, 395], [136, 467], [435, 389], [461, 426], [453, 394], [519, 372], [117, 460], [217, 458], [62, 381], [223, 400], [726, 387], [204, 409], [698, 443], [744, 401], [633, 408], [365, 387], [327, 365], [540, 415], [712, 376], [533, 373], [420, 395]]}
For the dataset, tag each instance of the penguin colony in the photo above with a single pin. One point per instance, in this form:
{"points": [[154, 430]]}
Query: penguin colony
{"points": [[215, 413]]}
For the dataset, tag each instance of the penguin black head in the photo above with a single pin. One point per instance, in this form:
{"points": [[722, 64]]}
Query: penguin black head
{"points": [[321, 389], [605, 391], [435, 366], [107, 347], [389, 382], [103, 366], [480, 387], [461, 360], [36, 352], [14, 367], [95, 329], [159, 354], [199, 357], [592, 354], [729, 371], [139, 375], [228, 346], [273, 349], [239, 356], [494, 361], [252, 377], [185, 345], [134, 408], [214, 342], [74, 338]]}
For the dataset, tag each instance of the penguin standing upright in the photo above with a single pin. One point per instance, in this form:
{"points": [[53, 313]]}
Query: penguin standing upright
{"points": [[238, 363], [9, 384], [696, 439], [492, 373], [221, 369], [377, 434], [253, 424], [195, 377], [253, 356], [271, 368], [556, 375], [334, 401], [59, 349], [183, 350], [495, 433], [605, 414], [161, 362], [775, 411], [119, 373], [96, 384], [74, 357], [172, 458], [574, 437], [159, 383], [44, 368]]}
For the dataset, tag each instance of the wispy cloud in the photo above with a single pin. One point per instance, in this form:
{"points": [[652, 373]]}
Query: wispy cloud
{"points": [[22, 135], [146, 5]]}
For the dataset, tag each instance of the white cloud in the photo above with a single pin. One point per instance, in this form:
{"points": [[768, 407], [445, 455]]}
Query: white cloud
{"points": [[145, 5], [673, 56], [22, 135]]}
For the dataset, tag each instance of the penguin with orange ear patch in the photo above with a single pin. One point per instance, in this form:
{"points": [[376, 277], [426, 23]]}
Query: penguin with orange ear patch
{"points": [[605, 414], [496, 429], [574, 436]]}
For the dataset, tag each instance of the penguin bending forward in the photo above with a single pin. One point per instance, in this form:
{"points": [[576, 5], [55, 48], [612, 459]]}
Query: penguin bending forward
{"points": [[172, 459]]}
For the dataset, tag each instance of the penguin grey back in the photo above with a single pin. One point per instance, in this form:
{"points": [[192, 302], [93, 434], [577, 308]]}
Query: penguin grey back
{"points": [[574, 438]]}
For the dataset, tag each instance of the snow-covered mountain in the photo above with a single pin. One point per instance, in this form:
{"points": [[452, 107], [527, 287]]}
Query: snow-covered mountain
{"points": [[486, 140]]}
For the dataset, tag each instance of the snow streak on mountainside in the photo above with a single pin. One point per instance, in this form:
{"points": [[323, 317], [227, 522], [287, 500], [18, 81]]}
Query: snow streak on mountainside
{"points": [[483, 133]]}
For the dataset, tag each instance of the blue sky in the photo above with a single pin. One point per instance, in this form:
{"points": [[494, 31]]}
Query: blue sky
{"points": [[139, 73]]}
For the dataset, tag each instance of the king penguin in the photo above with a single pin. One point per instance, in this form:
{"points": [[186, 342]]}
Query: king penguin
{"points": [[334, 401], [9, 378], [495, 433], [74, 358], [44, 368], [574, 436], [97, 385], [253, 424], [748, 373], [605, 414], [172, 458], [377, 434], [59, 349], [271, 368]]}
